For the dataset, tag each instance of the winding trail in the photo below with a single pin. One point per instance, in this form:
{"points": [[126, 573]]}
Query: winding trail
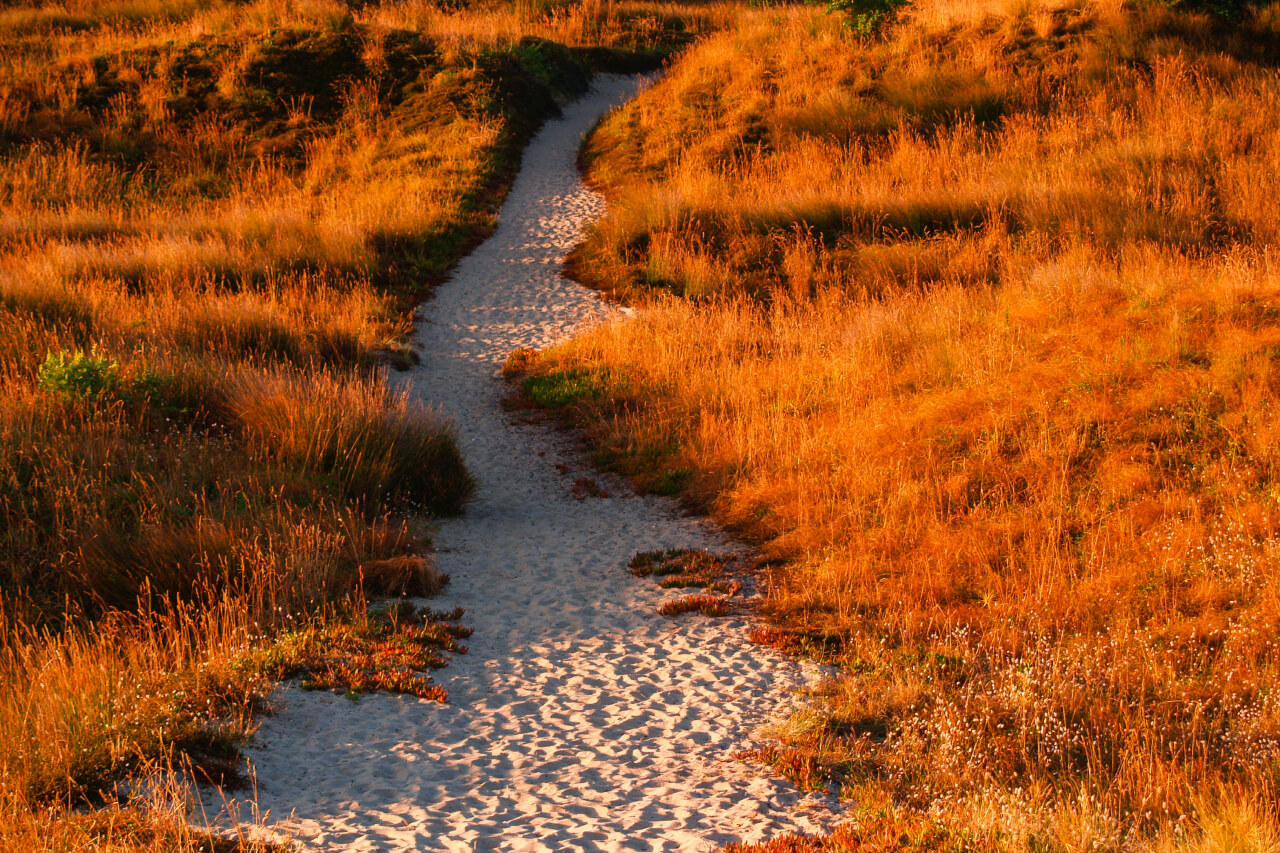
{"points": [[580, 719]]}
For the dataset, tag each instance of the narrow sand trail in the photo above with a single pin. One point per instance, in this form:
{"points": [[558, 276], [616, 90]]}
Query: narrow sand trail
{"points": [[580, 719]]}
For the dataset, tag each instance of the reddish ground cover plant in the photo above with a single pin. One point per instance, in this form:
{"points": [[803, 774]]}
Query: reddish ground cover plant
{"points": [[392, 653], [698, 602], [686, 561], [800, 767], [685, 568], [586, 487]]}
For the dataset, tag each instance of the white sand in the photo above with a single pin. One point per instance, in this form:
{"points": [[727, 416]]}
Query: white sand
{"points": [[580, 719]]}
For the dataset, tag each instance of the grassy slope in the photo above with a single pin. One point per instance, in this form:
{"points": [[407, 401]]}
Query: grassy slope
{"points": [[214, 217], [980, 338]]}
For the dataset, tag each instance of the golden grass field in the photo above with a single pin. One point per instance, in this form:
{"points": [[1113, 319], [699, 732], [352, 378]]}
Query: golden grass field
{"points": [[214, 219], [972, 324], [975, 325]]}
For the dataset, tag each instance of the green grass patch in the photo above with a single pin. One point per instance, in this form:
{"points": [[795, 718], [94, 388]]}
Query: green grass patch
{"points": [[668, 483], [563, 388]]}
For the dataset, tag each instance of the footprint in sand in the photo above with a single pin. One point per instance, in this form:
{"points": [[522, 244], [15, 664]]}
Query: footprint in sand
{"points": [[580, 719]]}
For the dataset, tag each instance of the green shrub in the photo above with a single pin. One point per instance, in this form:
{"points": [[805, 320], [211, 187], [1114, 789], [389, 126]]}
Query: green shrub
{"points": [[1230, 9], [866, 17], [79, 374], [84, 375]]}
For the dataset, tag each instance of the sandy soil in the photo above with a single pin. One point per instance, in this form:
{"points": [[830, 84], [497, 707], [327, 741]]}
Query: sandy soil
{"points": [[580, 719]]}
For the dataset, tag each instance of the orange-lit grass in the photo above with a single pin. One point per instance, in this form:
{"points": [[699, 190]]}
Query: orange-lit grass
{"points": [[105, 499], [380, 447], [1224, 820], [915, 160], [624, 34], [875, 833], [156, 823], [81, 708], [1018, 610], [176, 687], [213, 195], [988, 364]]}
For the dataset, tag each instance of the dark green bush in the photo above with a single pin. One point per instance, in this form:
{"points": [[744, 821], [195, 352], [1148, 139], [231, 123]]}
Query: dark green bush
{"points": [[866, 17], [1232, 10]]}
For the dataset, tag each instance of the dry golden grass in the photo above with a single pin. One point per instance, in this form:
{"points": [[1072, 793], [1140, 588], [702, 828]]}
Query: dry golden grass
{"points": [[161, 823], [980, 339], [213, 218]]}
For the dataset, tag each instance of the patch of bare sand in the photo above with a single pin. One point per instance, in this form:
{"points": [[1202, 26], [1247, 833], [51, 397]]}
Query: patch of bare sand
{"points": [[580, 719]]}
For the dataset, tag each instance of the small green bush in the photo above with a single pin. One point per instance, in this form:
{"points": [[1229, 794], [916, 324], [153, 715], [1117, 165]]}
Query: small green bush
{"points": [[79, 374], [84, 375], [866, 17], [1231, 10]]}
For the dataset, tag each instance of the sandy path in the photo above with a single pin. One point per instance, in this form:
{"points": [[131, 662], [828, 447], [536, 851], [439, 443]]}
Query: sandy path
{"points": [[580, 719]]}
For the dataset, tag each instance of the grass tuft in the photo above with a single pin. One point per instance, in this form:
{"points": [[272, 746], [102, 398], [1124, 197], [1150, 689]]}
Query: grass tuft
{"points": [[887, 833], [558, 390], [404, 575], [380, 448], [698, 602], [392, 654]]}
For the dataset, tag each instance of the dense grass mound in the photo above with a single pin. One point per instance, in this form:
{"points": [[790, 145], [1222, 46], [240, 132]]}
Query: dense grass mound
{"points": [[978, 334]]}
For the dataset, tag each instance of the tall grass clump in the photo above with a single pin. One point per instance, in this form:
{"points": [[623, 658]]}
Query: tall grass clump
{"points": [[378, 446], [972, 326]]}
